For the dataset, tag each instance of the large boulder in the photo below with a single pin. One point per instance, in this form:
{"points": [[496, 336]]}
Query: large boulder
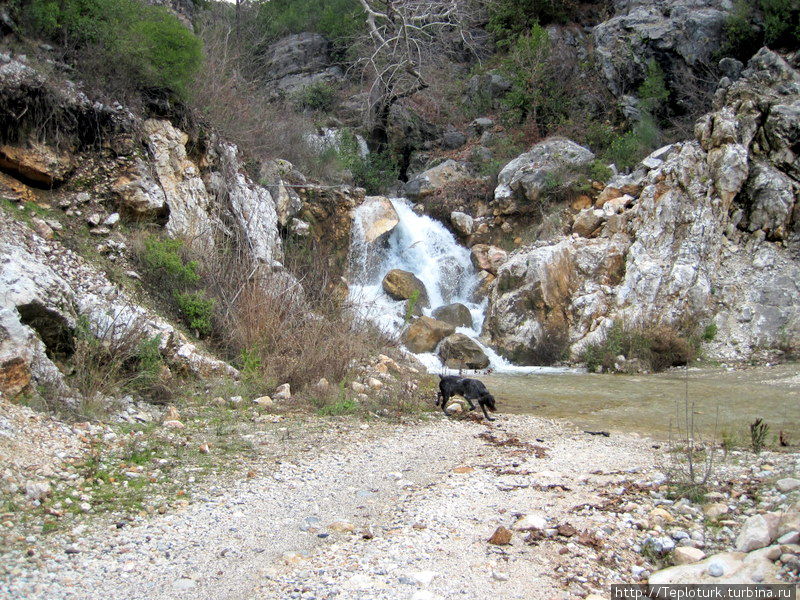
{"points": [[435, 178], [458, 351], [554, 162], [404, 285], [298, 61], [456, 314], [425, 333], [377, 218]]}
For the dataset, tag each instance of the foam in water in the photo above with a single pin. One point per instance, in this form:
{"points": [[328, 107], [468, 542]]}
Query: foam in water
{"points": [[426, 248]]}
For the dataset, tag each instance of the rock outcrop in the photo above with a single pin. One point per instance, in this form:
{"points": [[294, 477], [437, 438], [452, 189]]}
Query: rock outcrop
{"points": [[299, 61], [704, 230], [680, 35]]}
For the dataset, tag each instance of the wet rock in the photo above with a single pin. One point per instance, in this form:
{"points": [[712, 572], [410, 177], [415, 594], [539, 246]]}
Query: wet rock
{"points": [[378, 218], [455, 314], [458, 351], [425, 333], [462, 223], [403, 285]]}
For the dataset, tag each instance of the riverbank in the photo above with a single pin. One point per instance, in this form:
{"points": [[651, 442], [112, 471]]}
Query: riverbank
{"points": [[348, 509]]}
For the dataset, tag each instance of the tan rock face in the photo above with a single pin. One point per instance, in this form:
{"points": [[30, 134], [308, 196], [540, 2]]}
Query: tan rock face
{"points": [[15, 375], [460, 352], [37, 164], [403, 285], [379, 218], [435, 178], [488, 258], [424, 334]]}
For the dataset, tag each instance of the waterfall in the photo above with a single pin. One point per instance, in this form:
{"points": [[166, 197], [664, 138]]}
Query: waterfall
{"points": [[426, 248]]}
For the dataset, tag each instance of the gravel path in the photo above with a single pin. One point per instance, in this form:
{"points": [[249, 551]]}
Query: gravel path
{"points": [[403, 514]]}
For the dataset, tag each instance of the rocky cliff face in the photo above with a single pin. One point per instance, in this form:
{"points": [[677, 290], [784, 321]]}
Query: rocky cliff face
{"points": [[123, 172], [704, 230]]}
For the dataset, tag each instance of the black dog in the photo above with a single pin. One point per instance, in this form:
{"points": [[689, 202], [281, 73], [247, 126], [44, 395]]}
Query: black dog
{"points": [[470, 389]]}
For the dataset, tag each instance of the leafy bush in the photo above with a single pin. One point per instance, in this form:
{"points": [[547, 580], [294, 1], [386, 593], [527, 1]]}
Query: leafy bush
{"points": [[509, 19], [163, 256], [627, 149], [146, 45], [535, 92], [658, 347], [750, 25], [197, 311], [374, 172], [317, 96], [653, 92], [710, 332], [599, 171], [338, 20]]}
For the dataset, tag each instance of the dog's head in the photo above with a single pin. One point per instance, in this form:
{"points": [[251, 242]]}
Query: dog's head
{"points": [[488, 401]]}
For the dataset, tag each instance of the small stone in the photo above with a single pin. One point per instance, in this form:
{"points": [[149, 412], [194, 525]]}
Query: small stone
{"points": [[235, 400], [500, 575], [204, 449], [36, 490], [111, 220], [660, 516], [454, 409], [424, 578], [715, 510], [501, 537], [342, 527], [686, 555], [755, 533], [374, 383], [715, 569], [528, 522], [174, 424], [283, 392], [183, 584], [787, 484], [94, 219], [42, 228], [790, 538], [358, 387], [264, 401]]}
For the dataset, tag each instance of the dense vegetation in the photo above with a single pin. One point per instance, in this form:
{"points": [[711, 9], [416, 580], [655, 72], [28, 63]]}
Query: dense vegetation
{"points": [[123, 40]]}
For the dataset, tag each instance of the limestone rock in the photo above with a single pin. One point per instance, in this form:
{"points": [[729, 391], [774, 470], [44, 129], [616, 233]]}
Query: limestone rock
{"points": [[755, 534], [501, 537], [140, 195], [403, 285], [298, 61], [435, 178], [588, 221], [529, 522], [458, 351], [525, 178], [282, 392], [36, 163], [461, 222], [685, 555], [787, 484], [378, 218], [488, 258], [455, 314], [425, 333]]}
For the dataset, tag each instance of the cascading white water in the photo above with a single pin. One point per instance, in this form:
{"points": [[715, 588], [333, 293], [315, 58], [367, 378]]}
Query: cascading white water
{"points": [[426, 248]]}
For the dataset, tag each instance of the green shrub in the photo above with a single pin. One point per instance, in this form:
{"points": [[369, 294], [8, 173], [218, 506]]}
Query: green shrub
{"points": [[374, 172], [535, 92], [599, 171], [163, 256], [653, 92], [509, 19], [338, 20], [750, 25], [710, 332], [658, 347], [317, 96], [626, 150], [781, 23], [197, 311], [146, 45]]}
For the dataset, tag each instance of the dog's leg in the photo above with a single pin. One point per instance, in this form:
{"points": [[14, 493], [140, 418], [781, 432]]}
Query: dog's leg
{"points": [[445, 400], [483, 408], [471, 405]]}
